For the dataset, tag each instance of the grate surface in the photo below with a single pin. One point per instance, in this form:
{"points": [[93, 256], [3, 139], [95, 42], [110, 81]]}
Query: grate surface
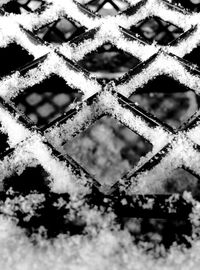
{"points": [[100, 100]]}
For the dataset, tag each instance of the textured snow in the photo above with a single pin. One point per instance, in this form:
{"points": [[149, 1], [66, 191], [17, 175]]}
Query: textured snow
{"points": [[107, 247]]}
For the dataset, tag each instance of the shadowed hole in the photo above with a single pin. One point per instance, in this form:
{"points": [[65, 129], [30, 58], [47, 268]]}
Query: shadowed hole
{"points": [[181, 180], [21, 6], [60, 31], [46, 101], [155, 29], [3, 142], [194, 56], [107, 150], [168, 100], [31, 179], [105, 7], [13, 57], [108, 62]]}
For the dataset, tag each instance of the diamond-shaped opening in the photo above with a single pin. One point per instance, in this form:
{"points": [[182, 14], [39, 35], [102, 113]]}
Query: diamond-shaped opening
{"points": [[108, 62], [155, 29], [12, 7], [107, 150], [168, 100], [181, 180], [105, 7], [194, 56], [156, 236], [19, 6], [13, 57], [31, 179], [60, 31], [44, 102]]}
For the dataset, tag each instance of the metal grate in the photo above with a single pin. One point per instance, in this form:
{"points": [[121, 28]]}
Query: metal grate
{"points": [[49, 103]]}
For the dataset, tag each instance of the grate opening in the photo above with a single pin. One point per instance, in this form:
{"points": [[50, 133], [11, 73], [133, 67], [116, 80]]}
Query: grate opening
{"points": [[107, 150], [168, 100], [30, 180], [60, 31], [194, 56], [108, 62], [105, 7], [155, 29], [13, 57], [46, 101]]}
